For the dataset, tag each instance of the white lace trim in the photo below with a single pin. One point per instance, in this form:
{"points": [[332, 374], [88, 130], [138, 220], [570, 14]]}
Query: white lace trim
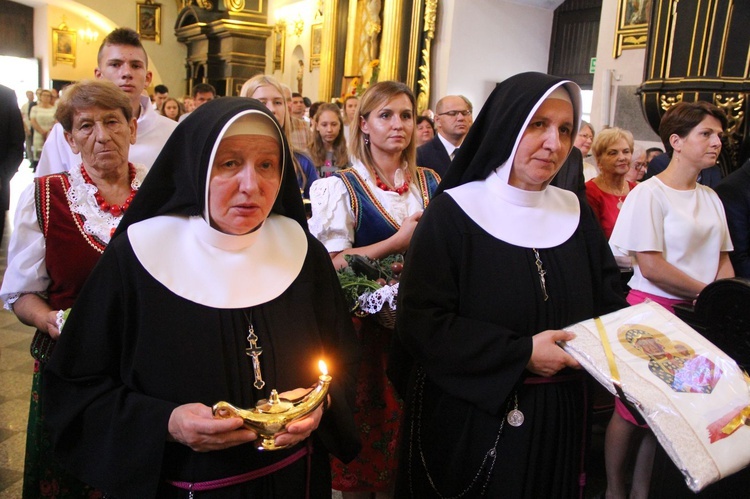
{"points": [[97, 223], [372, 302], [323, 204], [12, 298]]}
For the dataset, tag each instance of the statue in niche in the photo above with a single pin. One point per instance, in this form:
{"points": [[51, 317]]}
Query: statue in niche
{"points": [[300, 75]]}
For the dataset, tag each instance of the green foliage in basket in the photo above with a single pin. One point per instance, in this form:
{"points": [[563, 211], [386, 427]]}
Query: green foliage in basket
{"points": [[363, 275]]}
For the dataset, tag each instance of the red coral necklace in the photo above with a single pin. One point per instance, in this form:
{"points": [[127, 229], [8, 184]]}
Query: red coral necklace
{"points": [[115, 209], [399, 190]]}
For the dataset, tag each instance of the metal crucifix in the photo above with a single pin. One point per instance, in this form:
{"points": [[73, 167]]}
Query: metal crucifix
{"points": [[254, 352]]}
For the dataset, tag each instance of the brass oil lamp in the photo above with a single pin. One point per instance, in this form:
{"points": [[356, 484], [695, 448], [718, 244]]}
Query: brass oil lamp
{"points": [[272, 415]]}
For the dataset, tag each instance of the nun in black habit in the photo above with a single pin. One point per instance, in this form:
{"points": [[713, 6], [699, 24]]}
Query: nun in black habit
{"points": [[494, 407], [160, 331]]}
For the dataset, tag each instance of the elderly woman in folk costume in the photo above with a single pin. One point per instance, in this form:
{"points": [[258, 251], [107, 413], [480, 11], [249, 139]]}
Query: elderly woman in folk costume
{"points": [[63, 224], [211, 264], [494, 406]]}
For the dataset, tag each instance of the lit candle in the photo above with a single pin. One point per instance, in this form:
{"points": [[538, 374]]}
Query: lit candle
{"points": [[324, 372]]}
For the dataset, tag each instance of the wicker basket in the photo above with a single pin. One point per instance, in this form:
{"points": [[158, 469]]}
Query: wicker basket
{"points": [[386, 317]]}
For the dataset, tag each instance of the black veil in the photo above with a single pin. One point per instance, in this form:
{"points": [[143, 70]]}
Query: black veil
{"points": [[176, 184]]}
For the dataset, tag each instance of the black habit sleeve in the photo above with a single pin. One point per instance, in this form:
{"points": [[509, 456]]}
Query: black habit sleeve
{"points": [[105, 432]]}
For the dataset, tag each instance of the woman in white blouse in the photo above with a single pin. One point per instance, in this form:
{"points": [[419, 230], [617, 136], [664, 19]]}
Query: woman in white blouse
{"points": [[676, 232], [371, 209]]}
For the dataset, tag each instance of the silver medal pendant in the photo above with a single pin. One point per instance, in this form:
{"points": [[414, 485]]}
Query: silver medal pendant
{"points": [[515, 418]]}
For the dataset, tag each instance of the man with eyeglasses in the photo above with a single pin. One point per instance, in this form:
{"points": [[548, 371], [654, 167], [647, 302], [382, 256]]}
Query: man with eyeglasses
{"points": [[452, 120]]}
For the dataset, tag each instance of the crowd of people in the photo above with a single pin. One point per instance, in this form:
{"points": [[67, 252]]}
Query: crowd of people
{"points": [[172, 253]]}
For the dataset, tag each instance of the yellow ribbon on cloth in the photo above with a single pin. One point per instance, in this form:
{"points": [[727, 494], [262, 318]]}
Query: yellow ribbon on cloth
{"points": [[608, 352], [743, 418]]}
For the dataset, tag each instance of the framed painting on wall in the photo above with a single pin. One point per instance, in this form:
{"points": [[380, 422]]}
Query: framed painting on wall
{"points": [[632, 25], [148, 20], [279, 34], [63, 45], [316, 45]]}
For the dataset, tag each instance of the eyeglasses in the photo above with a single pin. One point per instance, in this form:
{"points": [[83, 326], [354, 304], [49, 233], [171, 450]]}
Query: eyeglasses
{"points": [[586, 136], [453, 114], [640, 166]]}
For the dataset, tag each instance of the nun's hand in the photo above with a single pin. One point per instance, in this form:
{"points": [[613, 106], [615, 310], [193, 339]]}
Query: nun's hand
{"points": [[402, 238], [302, 428], [547, 358], [195, 426]]}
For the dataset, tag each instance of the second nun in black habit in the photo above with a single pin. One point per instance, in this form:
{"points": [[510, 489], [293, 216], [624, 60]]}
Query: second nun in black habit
{"points": [[215, 243], [494, 407]]}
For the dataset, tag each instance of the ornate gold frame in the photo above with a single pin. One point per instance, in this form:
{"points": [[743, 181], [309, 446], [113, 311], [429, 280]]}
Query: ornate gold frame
{"points": [[148, 20], [63, 45], [279, 45], [316, 45], [632, 26]]}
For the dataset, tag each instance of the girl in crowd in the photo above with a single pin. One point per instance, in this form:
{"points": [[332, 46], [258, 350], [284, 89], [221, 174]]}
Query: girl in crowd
{"points": [[268, 91], [498, 264], [676, 232], [607, 191], [172, 109], [328, 146], [350, 110], [371, 209]]}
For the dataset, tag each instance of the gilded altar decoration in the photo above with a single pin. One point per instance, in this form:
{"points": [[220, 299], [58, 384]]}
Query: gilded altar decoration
{"points": [[430, 16], [668, 100], [733, 106], [148, 20], [632, 25], [234, 5]]}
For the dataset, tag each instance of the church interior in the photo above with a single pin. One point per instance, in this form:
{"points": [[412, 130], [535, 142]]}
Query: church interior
{"points": [[633, 59]]}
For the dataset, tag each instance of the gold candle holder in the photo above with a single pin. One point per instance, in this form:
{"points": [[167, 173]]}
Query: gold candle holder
{"points": [[271, 416]]}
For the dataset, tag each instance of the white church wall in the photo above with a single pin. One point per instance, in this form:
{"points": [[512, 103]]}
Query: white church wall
{"points": [[482, 42]]}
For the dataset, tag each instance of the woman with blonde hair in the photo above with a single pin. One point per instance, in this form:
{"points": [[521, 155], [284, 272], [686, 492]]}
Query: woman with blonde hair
{"points": [[372, 209], [268, 91], [328, 146], [613, 149]]}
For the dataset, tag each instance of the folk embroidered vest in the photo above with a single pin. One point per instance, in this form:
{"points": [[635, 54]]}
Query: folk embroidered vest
{"points": [[373, 223], [70, 253]]}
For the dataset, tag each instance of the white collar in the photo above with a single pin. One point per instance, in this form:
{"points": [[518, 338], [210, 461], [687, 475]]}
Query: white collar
{"points": [[530, 219], [449, 148], [219, 270]]}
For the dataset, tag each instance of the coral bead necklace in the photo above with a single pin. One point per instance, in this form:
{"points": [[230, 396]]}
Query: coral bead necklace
{"points": [[115, 209], [398, 190]]}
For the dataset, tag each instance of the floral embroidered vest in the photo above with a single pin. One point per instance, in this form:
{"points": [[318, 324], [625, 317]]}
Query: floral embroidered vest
{"points": [[379, 224]]}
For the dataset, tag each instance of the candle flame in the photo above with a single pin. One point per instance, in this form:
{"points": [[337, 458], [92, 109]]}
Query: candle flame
{"points": [[322, 367]]}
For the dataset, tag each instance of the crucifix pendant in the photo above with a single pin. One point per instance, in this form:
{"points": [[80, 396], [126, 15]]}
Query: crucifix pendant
{"points": [[542, 273], [254, 353]]}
